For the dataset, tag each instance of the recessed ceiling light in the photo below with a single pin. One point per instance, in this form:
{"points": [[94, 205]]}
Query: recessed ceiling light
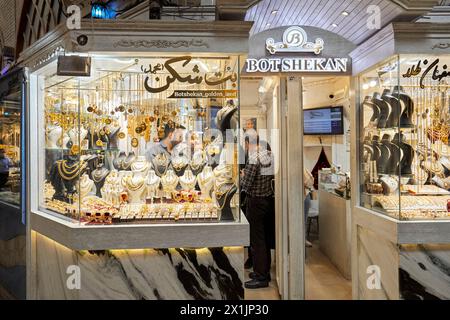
{"points": [[274, 11], [345, 13], [268, 25], [334, 25]]}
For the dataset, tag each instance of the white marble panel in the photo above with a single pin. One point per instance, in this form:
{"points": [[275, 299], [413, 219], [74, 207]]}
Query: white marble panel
{"points": [[425, 271]]}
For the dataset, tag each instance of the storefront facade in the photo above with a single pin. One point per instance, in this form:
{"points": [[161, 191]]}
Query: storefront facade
{"points": [[95, 210]]}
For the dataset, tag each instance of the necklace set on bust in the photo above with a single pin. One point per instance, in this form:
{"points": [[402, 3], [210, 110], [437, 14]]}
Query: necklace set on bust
{"points": [[161, 164], [100, 174], [68, 171], [188, 180]]}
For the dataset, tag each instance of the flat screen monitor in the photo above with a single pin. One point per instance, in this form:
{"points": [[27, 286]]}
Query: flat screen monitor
{"points": [[323, 121]]}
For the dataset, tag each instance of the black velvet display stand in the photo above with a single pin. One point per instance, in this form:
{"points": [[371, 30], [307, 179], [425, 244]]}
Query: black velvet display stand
{"points": [[375, 109], [226, 214], [395, 107], [63, 187], [385, 110], [407, 107], [407, 157], [100, 183]]}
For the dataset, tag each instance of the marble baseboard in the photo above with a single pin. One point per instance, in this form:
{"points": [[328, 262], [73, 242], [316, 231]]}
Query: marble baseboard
{"points": [[425, 272], [375, 250], [208, 273]]}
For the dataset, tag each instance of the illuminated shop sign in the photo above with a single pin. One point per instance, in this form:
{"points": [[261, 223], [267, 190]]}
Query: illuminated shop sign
{"points": [[295, 40], [297, 65]]}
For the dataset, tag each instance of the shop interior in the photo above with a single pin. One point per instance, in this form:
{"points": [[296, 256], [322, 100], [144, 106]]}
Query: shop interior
{"points": [[326, 153], [10, 141]]}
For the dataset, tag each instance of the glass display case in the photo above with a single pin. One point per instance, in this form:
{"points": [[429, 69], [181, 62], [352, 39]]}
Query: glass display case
{"points": [[133, 143], [11, 138], [335, 182], [404, 137]]}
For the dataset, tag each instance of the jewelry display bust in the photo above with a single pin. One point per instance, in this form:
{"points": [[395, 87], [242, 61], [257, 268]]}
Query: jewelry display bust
{"points": [[136, 186], [84, 186], [64, 174], [77, 135], [128, 161], [99, 176], [54, 134], [179, 165], [206, 182], [407, 153], [395, 108], [385, 110], [153, 182], [161, 163], [197, 163], [407, 107], [112, 188], [112, 136], [169, 183], [140, 166], [188, 180], [224, 190], [118, 161], [375, 111]]}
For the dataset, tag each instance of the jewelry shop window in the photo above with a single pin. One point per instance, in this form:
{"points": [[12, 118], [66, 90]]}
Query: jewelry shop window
{"points": [[405, 127], [136, 142], [10, 139]]}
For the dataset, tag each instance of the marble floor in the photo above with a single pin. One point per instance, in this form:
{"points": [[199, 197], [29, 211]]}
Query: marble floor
{"points": [[323, 280]]}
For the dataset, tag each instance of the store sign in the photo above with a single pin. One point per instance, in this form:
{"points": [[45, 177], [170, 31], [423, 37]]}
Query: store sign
{"points": [[297, 65], [187, 73], [295, 40], [437, 75]]}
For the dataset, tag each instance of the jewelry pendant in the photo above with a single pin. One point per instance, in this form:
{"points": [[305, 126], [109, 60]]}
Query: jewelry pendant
{"points": [[75, 149], [99, 143], [134, 142], [121, 135]]}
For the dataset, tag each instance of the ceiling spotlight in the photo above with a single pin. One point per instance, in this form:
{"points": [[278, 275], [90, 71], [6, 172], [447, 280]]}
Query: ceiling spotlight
{"points": [[268, 25], [365, 86], [274, 11], [334, 25], [345, 13]]}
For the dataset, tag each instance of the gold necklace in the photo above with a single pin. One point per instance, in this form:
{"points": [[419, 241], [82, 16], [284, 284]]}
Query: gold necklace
{"points": [[226, 195], [99, 175], [134, 186], [179, 163], [161, 160], [67, 172]]}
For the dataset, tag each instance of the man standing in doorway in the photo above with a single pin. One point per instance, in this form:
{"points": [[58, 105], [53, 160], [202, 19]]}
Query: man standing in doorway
{"points": [[257, 179]]}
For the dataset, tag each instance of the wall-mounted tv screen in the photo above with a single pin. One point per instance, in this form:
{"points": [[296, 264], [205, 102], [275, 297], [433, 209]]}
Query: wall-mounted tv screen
{"points": [[323, 121]]}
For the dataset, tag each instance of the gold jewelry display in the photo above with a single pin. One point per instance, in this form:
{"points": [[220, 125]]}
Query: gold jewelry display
{"points": [[134, 142], [70, 172], [179, 163], [161, 160], [99, 174], [75, 149]]}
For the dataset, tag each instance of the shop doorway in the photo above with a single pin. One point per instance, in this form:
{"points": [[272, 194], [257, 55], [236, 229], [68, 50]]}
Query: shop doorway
{"points": [[326, 164]]}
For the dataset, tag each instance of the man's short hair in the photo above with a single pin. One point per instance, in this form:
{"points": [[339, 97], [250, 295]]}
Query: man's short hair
{"points": [[171, 127]]}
